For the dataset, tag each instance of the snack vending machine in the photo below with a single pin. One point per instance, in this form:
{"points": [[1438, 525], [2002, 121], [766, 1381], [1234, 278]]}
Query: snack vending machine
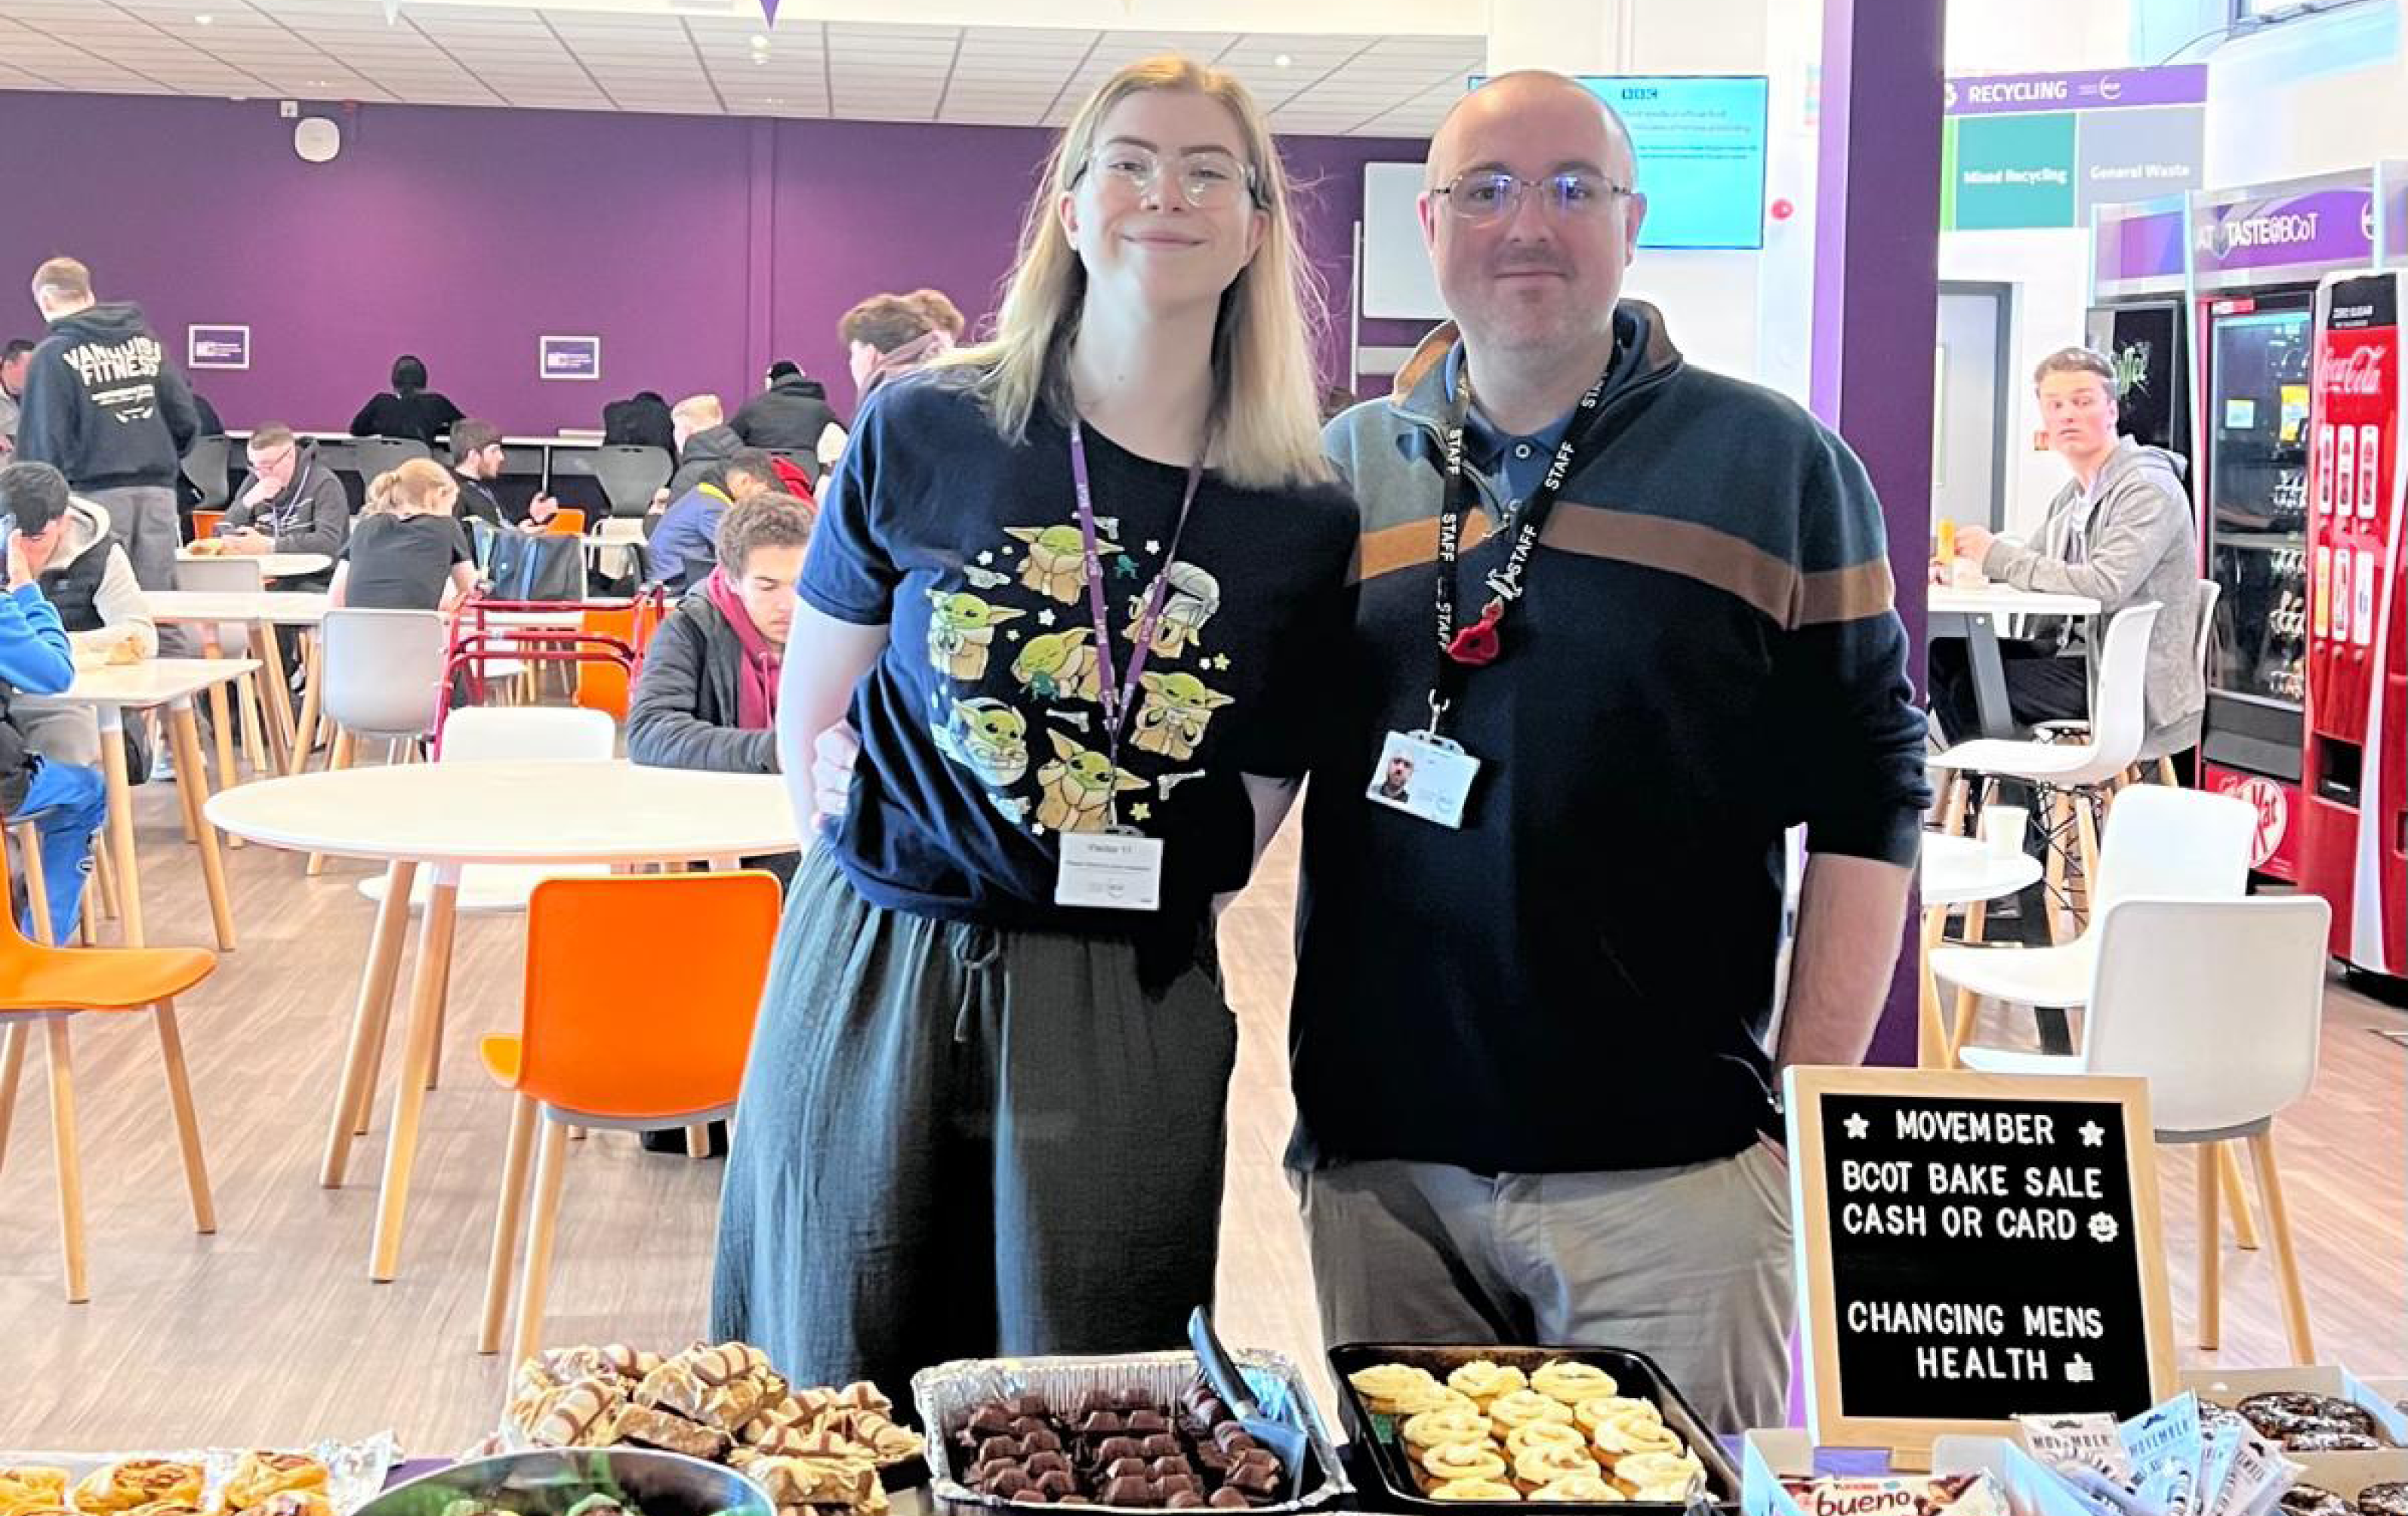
{"points": [[2354, 783]]}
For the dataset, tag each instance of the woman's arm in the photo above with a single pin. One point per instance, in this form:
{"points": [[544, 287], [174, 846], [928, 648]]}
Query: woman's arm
{"points": [[825, 658], [462, 583], [334, 587]]}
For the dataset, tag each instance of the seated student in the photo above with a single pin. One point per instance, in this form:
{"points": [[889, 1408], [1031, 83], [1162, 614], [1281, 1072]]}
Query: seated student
{"points": [[641, 421], [684, 538], [704, 441], [408, 409], [477, 460], [291, 503], [66, 802], [406, 553], [708, 691], [90, 582]]}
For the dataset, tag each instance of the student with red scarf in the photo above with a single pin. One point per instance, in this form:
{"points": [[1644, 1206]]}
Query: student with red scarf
{"points": [[707, 696]]}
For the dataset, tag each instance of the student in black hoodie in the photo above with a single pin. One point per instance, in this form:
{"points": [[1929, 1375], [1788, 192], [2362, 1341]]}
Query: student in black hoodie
{"points": [[792, 414], [408, 409], [105, 406], [641, 421]]}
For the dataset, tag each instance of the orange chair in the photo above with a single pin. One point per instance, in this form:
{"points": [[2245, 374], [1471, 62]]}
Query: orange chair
{"points": [[44, 986], [205, 524], [566, 522], [602, 685], [641, 1043]]}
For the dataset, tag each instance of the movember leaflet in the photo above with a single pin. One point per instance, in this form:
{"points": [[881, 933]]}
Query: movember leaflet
{"points": [[1974, 1247]]}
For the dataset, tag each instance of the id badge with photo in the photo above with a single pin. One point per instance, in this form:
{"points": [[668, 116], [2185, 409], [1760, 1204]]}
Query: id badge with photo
{"points": [[1109, 871], [1424, 775]]}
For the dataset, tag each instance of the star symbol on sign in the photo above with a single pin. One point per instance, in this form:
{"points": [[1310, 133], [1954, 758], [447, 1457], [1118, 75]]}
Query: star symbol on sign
{"points": [[1220, 662], [1141, 812], [2077, 1371], [1152, 546], [1857, 1126], [986, 557], [2092, 1134], [1045, 617]]}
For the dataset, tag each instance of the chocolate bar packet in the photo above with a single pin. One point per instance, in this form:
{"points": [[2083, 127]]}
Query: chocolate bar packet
{"points": [[1899, 1495]]}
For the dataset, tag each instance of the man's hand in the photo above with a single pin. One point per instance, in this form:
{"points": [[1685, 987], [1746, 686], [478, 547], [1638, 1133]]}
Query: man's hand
{"points": [[247, 541], [39, 549], [1973, 543], [542, 508], [834, 754], [21, 571]]}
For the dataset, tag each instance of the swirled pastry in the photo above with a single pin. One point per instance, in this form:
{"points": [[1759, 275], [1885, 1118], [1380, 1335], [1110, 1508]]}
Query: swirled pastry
{"points": [[1657, 1471], [1381, 1384], [1572, 1381], [1474, 1489], [1523, 1407], [1579, 1489], [1484, 1380], [262, 1474], [1548, 1462], [1592, 1414], [1629, 1434], [138, 1481], [1434, 1428], [32, 1484], [1463, 1461], [1546, 1435]]}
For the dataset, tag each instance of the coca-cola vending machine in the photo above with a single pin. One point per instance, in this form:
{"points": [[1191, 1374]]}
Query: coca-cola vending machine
{"points": [[2354, 784]]}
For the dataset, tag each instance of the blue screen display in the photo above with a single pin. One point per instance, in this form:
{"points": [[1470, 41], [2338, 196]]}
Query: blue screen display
{"points": [[1701, 142]]}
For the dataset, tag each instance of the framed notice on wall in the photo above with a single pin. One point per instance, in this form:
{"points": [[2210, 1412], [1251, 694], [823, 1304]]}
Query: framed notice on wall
{"points": [[569, 357], [217, 347], [1973, 1248]]}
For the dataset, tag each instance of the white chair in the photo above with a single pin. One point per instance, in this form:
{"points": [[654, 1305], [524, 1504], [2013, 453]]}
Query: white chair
{"points": [[2218, 1004], [2202, 640], [230, 639], [2071, 776], [383, 674]]}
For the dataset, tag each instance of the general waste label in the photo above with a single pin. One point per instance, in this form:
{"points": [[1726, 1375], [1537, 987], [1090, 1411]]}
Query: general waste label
{"points": [[1977, 1247]]}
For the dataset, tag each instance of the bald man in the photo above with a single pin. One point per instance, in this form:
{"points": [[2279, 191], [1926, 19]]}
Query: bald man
{"points": [[1533, 1047]]}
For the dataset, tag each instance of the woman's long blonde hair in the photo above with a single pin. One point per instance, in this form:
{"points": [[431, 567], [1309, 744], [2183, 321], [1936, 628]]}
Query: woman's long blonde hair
{"points": [[415, 487], [1265, 392]]}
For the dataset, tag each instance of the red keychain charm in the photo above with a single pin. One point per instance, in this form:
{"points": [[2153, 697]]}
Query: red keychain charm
{"points": [[1477, 645]]}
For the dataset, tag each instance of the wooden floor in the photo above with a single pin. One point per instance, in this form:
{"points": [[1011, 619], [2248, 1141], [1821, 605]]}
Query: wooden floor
{"points": [[271, 1332]]}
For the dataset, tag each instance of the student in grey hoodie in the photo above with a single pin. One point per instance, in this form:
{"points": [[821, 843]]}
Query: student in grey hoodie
{"points": [[2119, 532]]}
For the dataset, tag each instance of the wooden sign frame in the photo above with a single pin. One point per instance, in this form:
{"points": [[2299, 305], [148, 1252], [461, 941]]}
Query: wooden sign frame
{"points": [[1910, 1439]]}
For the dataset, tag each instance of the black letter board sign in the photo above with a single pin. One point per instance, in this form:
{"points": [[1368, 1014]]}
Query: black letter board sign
{"points": [[1973, 1246]]}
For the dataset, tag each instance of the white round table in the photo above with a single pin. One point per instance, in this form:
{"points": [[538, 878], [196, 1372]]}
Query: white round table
{"points": [[1958, 871], [446, 815], [273, 565]]}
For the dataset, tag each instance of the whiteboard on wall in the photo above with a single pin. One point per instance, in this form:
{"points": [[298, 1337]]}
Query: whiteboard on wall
{"points": [[1397, 284]]}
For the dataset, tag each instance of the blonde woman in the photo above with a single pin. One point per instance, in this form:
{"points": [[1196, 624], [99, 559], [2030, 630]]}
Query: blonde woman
{"points": [[406, 553], [1073, 588]]}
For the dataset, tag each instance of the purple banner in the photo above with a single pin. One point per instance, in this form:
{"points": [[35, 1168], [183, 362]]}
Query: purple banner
{"points": [[2147, 245], [2316, 226], [2096, 89]]}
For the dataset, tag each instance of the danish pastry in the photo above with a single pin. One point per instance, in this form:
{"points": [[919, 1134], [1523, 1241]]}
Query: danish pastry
{"points": [[1433, 1428], [1546, 1435], [1591, 1414], [1474, 1489], [138, 1481], [32, 1484], [1616, 1439], [1579, 1489], [1523, 1407], [1484, 1380], [262, 1474], [1572, 1381], [1548, 1462], [1657, 1470], [1457, 1461], [1381, 1384]]}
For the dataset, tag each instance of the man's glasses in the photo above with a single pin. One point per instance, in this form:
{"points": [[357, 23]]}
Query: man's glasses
{"points": [[1485, 196], [1210, 180], [273, 460]]}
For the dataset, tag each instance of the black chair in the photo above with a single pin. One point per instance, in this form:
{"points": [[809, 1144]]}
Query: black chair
{"points": [[629, 475], [205, 467], [380, 454]]}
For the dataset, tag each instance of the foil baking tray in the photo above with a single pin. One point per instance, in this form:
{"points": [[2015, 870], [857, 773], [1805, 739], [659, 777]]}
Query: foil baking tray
{"points": [[946, 1394], [356, 1470]]}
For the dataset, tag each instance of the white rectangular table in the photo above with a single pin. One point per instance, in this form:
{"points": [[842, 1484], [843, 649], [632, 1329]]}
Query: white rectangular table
{"points": [[1973, 614], [263, 612], [111, 691]]}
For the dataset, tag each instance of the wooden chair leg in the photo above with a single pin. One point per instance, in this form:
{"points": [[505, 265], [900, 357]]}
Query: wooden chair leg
{"points": [[88, 913], [2236, 1199], [254, 723], [70, 1166], [1969, 1005], [339, 758], [698, 1141], [534, 1277], [2166, 775], [434, 1059], [188, 1125], [507, 1215], [104, 883], [2286, 1261], [12, 1072], [2053, 871], [2085, 826], [1952, 813], [2211, 1251], [38, 885]]}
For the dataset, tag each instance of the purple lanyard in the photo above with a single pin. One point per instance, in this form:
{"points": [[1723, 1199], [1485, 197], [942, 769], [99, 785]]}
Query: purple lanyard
{"points": [[1116, 693]]}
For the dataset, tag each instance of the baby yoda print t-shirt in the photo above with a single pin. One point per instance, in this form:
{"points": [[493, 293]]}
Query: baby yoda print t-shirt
{"points": [[982, 725]]}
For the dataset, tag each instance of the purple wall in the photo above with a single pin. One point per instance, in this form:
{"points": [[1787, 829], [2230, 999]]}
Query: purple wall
{"points": [[697, 248]]}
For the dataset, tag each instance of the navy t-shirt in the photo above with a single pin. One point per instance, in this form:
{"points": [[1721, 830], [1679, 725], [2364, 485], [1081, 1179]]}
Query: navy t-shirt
{"points": [[981, 731]]}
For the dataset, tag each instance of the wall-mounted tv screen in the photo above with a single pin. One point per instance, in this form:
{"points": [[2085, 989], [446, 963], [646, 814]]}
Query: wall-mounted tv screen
{"points": [[1700, 141]]}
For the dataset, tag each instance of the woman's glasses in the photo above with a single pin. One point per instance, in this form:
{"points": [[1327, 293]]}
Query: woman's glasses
{"points": [[1208, 179]]}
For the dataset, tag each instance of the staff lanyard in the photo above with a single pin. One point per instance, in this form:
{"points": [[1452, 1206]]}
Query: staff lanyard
{"points": [[1116, 693], [1475, 646]]}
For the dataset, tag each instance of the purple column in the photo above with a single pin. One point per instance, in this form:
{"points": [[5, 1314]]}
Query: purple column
{"points": [[1876, 298]]}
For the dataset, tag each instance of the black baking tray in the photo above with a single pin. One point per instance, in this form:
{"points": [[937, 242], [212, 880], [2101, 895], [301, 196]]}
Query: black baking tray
{"points": [[1636, 1375]]}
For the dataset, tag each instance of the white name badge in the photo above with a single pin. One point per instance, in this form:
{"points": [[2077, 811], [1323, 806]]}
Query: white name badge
{"points": [[1109, 871], [1425, 776]]}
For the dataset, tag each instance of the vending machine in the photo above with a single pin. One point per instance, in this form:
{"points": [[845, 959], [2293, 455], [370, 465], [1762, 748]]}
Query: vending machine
{"points": [[2353, 833], [2257, 256]]}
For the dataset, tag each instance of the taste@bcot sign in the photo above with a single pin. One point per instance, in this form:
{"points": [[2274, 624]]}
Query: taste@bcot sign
{"points": [[1973, 1248]]}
